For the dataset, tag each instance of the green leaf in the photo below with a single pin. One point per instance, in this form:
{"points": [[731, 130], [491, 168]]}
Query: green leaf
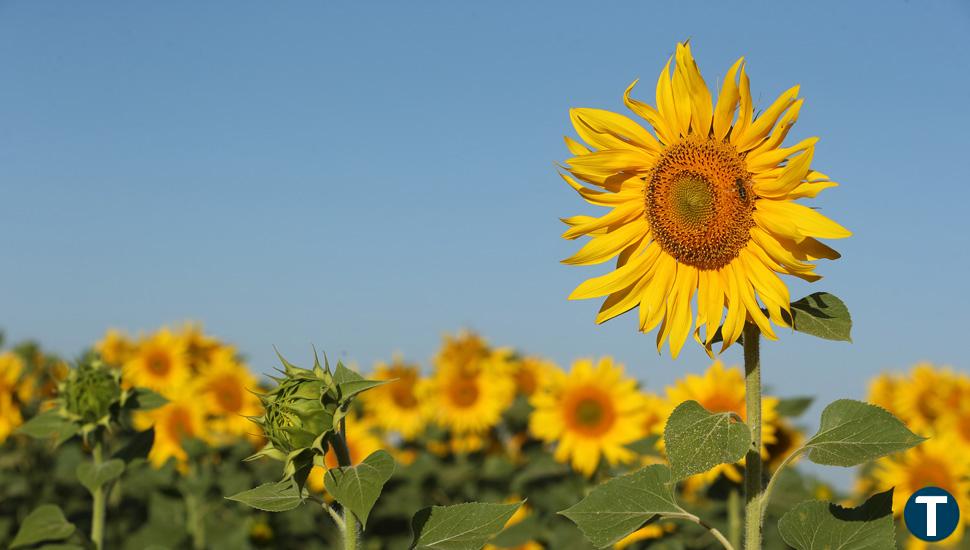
{"points": [[357, 487], [349, 383], [45, 523], [94, 477], [697, 440], [145, 399], [794, 406], [137, 447], [271, 497], [816, 525], [823, 315], [622, 505], [49, 425], [465, 526], [853, 432]]}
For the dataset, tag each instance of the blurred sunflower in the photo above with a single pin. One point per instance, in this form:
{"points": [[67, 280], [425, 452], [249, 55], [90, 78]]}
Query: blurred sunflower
{"points": [[721, 389], [591, 413], [115, 347], [531, 373], [394, 406], [227, 387], [361, 443], [932, 463], [159, 362], [707, 207], [466, 400], [11, 367], [928, 393], [650, 532], [175, 422], [883, 389], [199, 347], [10, 417]]}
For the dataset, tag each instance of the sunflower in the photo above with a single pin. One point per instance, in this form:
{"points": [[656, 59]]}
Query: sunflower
{"points": [[531, 373], [10, 416], [928, 393], [159, 362], [361, 443], [932, 463], [705, 206], [721, 389], [174, 422], [227, 387], [650, 532], [883, 390], [200, 348], [591, 413], [394, 406], [115, 347], [467, 400]]}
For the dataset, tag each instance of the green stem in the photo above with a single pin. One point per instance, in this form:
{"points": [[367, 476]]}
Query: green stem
{"points": [[734, 517], [343, 459], [98, 510], [684, 514], [752, 461], [196, 520]]}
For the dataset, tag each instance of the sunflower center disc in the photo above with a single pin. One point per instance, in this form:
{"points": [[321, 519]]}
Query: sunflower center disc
{"points": [[699, 203], [464, 392]]}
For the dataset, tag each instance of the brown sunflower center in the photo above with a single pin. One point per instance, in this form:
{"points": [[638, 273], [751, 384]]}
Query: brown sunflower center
{"points": [[159, 363], [229, 394], [590, 412], [402, 393], [699, 203], [463, 392]]}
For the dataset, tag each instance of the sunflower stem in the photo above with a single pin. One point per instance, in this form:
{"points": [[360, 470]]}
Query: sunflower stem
{"points": [[350, 523], [98, 509], [734, 517], [752, 462]]}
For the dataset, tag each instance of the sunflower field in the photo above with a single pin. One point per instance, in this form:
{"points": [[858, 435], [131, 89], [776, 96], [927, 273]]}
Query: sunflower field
{"points": [[481, 423]]}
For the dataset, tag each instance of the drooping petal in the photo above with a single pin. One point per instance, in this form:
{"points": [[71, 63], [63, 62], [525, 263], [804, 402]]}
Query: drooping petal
{"points": [[727, 102]]}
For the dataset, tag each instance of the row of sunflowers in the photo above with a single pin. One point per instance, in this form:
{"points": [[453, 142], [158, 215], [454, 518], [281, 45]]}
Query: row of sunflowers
{"points": [[484, 423]]}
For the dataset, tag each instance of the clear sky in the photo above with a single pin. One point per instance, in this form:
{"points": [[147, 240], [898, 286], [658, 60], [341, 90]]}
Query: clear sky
{"points": [[367, 178]]}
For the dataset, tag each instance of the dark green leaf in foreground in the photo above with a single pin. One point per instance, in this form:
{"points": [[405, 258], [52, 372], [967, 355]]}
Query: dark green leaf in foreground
{"points": [[697, 440], [459, 527], [138, 446], [853, 432], [816, 525], [357, 487], [145, 399], [823, 315], [49, 425], [93, 477], [349, 383], [46, 523], [271, 497], [622, 505]]}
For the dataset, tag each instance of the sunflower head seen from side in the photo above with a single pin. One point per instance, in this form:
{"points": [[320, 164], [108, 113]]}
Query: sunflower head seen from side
{"points": [[703, 208]]}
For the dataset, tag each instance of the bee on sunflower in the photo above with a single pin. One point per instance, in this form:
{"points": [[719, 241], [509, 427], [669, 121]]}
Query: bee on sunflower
{"points": [[704, 206]]}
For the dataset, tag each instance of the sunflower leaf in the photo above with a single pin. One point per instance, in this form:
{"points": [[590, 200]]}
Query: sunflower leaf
{"points": [[357, 487], [823, 315], [622, 505], [853, 432], [271, 497], [144, 399], [49, 425], [817, 525], [94, 477], [349, 383], [794, 406], [465, 526], [697, 439], [46, 523]]}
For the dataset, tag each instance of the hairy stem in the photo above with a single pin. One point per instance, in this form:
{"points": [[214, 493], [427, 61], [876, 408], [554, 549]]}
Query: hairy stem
{"points": [[734, 517], [193, 508], [98, 510], [752, 460], [343, 458]]}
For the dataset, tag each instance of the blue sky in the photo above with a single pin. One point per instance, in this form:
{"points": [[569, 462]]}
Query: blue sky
{"points": [[366, 176]]}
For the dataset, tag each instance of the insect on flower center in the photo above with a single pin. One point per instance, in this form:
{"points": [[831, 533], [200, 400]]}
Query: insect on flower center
{"points": [[699, 202]]}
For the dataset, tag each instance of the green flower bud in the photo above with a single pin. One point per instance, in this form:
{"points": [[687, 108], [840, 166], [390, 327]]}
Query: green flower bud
{"points": [[89, 392], [298, 412]]}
